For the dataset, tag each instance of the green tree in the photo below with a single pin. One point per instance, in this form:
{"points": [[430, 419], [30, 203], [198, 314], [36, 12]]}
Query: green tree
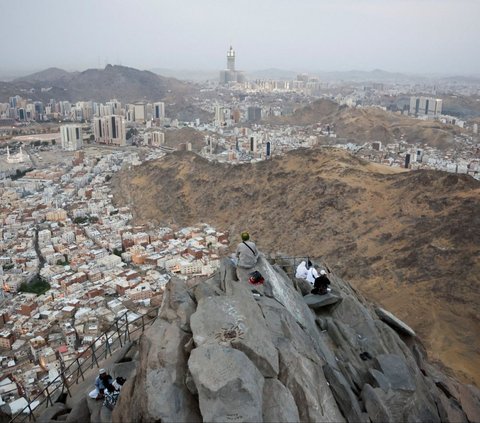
{"points": [[37, 285], [80, 219]]}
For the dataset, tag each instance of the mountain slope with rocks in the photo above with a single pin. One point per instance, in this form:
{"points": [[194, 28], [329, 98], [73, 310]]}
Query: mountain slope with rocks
{"points": [[408, 240], [216, 353]]}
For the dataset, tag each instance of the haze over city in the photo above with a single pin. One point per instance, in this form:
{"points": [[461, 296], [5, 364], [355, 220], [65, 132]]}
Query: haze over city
{"points": [[240, 211], [426, 36]]}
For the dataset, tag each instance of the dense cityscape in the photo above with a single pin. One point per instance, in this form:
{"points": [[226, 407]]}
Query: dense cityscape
{"points": [[71, 261]]}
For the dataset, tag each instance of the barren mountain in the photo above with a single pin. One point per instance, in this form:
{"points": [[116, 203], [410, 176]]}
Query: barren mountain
{"points": [[406, 239], [370, 124], [121, 82], [48, 75]]}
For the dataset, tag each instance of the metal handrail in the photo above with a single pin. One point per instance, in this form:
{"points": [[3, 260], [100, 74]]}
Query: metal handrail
{"points": [[91, 356]]}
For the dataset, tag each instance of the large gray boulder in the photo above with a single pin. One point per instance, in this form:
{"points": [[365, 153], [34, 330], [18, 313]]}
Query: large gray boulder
{"points": [[376, 409], [470, 401], [80, 413], [230, 388], [304, 378], [236, 321], [344, 395], [450, 410], [396, 372], [177, 304], [278, 403], [162, 367], [53, 412], [302, 286], [394, 321], [316, 302]]}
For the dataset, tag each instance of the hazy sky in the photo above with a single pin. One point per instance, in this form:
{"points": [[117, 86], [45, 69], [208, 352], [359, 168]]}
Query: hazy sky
{"points": [[418, 36]]}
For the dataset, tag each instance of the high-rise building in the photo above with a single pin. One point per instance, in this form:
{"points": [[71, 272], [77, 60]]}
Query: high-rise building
{"points": [[140, 112], [158, 110], [230, 74], [425, 106], [72, 138], [38, 108], [21, 114], [110, 130], [231, 59], [222, 116], [254, 114], [114, 106]]}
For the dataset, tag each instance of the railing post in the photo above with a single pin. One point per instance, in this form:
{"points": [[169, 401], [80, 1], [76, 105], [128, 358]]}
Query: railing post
{"points": [[94, 356], [80, 369], [30, 413], [48, 397], [118, 333], [127, 332], [65, 383], [108, 349]]}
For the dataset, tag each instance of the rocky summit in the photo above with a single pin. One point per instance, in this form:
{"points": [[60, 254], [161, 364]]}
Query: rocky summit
{"points": [[407, 240], [218, 353]]}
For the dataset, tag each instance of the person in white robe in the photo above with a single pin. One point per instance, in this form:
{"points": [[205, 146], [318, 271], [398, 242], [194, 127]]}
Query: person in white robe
{"points": [[302, 271]]}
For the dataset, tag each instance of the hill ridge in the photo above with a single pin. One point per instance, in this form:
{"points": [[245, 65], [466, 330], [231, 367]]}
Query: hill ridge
{"points": [[125, 83], [366, 124]]}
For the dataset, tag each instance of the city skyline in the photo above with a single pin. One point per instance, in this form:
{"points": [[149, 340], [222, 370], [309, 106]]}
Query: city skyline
{"points": [[422, 36]]}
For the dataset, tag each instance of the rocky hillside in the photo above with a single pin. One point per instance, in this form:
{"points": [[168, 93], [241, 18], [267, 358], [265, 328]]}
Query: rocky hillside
{"points": [[121, 82], [408, 240], [178, 138], [367, 124], [217, 354]]}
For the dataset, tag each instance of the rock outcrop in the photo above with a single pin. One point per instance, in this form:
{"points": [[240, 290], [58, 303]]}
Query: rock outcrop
{"points": [[217, 353]]}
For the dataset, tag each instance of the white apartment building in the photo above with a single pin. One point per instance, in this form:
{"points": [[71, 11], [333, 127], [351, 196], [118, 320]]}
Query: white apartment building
{"points": [[426, 106], [72, 138], [188, 268], [140, 112], [110, 130]]}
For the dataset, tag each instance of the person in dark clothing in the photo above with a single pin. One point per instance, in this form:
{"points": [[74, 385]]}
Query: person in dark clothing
{"points": [[321, 284]]}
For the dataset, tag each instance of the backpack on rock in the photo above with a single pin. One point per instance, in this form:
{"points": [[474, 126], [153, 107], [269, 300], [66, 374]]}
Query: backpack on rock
{"points": [[256, 278]]}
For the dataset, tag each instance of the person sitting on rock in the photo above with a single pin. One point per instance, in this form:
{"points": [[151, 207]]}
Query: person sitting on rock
{"points": [[321, 284], [312, 274], [102, 382], [247, 255], [302, 271], [118, 383], [111, 395]]}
